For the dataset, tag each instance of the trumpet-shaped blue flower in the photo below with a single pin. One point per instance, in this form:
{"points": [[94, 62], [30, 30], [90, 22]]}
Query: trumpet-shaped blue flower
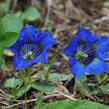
{"points": [[31, 47], [87, 53]]}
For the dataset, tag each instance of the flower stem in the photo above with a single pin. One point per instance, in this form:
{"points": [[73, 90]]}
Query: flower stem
{"points": [[2, 63], [25, 97], [25, 84], [29, 74], [47, 77], [39, 101], [14, 92], [47, 73]]}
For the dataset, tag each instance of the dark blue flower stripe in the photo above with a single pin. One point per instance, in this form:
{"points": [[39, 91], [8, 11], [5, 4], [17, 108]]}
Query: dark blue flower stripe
{"points": [[87, 53], [30, 51], [31, 47]]}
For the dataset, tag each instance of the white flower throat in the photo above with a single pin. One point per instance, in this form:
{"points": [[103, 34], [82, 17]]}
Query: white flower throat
{"points": [[30, 51]]}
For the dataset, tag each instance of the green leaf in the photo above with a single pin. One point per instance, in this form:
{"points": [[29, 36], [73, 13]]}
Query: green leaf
{"points": [[58, 77], [31, 14], [82, 85], [54, 77], [4, 7], [47, 88], [101, 77], [12, 82], [47, 67], [2, 63], [101, 89], [106, 4], [10, 23], [49, 25], [9, 95], [23, 90], [8, 39], [39, 102], [18, 14], [9, 29], [78, 104]]}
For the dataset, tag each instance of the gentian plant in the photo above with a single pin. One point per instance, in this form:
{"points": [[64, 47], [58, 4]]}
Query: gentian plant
{"points": [[31, 47], [87, 53]]}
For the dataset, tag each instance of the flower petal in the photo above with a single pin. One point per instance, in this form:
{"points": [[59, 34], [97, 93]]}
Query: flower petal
{"points": [[41, 58], [87, 36], [77, 69], [102, 47], [14, 47], [96, 67], [45, 39], [72, 46], [102, 56], [19, 63], [92, 39], [83, 34], [28, 33]]}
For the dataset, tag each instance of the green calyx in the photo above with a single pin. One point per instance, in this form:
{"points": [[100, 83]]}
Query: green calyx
{"points": [[81, 56]]}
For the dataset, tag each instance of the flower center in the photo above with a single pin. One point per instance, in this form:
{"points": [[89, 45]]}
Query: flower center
{"points": [[85, 54], [30, 51]]}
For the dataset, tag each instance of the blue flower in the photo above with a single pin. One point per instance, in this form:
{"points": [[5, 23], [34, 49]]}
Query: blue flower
{"points": [[87, 53], [31, 47]]}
